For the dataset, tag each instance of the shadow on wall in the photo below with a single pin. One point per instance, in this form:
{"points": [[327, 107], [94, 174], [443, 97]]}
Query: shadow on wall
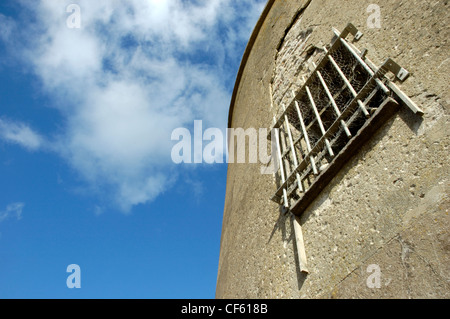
{"points": [[281, 224]]}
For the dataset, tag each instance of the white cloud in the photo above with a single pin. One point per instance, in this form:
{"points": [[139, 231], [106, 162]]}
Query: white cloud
{"points": [[12, 210], [21, 134], [7, 26], [133, 72]]}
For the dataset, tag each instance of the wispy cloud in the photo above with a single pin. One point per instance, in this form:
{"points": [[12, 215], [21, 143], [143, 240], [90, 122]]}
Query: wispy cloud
{"points": [[20, 133], [11, 211], [133, 72], [6, 27]]}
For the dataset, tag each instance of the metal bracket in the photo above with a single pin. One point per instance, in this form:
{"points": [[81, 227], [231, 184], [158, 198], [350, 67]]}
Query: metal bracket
{"points": [[349, 29], [363, 54], [399, 72]]}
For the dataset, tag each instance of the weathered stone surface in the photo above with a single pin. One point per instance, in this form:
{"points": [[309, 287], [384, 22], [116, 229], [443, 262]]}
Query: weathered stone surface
{"points": [[388, 206]]}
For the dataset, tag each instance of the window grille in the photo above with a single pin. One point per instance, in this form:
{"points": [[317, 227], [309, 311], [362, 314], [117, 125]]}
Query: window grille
{"points": [[342, 103]]}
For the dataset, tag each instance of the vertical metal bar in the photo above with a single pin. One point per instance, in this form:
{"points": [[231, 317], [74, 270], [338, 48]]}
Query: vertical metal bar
{"points": [[333, 102], [300, 245], [283, 147], [284, 150], [349, 85], [316, 112], [283, 178], [305, 134], [294, 155]]}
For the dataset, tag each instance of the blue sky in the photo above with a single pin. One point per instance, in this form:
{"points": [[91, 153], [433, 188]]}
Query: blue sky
{"points": [[86, 116]]}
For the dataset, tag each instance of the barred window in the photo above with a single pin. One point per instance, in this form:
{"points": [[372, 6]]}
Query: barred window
{"points": [[339, 106]]}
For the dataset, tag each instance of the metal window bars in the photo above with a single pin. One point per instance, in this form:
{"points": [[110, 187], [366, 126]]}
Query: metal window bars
{"points": [[339, 106]]}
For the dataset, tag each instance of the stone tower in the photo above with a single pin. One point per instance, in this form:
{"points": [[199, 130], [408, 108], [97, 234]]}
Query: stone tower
{"points": [[378, 226]]}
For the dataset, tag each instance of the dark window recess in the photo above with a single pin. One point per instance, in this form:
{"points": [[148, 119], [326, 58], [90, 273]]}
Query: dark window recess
{"points": [[344, 101]]}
